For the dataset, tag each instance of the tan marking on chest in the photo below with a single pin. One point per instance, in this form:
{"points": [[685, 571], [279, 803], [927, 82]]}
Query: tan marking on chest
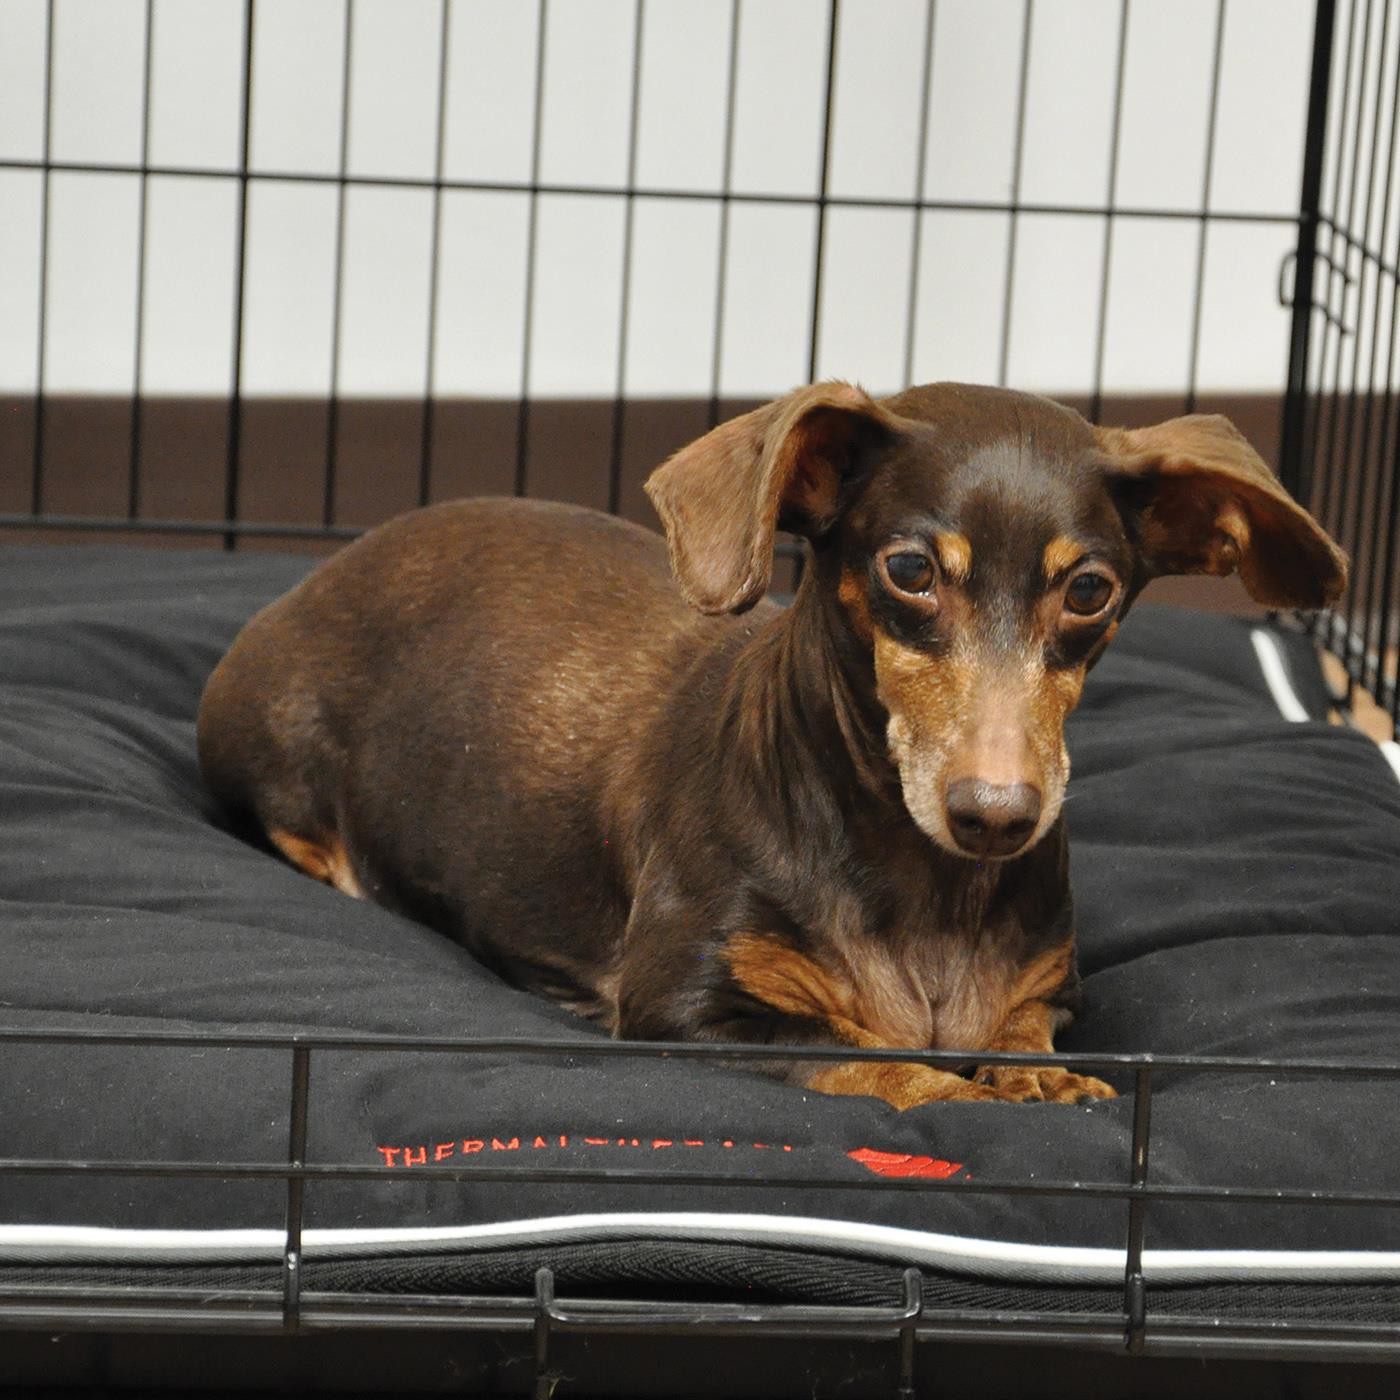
{"points": [[948, 993], [1044, 976], [790, 982]]}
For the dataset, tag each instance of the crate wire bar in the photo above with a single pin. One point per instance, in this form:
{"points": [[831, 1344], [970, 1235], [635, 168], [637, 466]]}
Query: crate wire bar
{"points": [[1138, 1329], [1340, 453], [1341, 442]]}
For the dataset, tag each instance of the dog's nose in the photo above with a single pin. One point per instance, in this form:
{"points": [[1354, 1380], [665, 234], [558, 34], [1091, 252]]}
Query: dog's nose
{"points": [[991, 819]]}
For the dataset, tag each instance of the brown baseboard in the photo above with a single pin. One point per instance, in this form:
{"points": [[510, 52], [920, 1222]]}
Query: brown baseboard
{"points": [[586, 451]]}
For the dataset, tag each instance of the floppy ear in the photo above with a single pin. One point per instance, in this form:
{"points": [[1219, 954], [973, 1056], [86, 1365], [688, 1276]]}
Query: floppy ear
{"points": [[1202, 502], [784, 465]]}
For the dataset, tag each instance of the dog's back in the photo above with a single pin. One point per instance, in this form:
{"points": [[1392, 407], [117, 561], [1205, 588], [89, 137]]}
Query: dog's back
{"points": [[434, 717]]}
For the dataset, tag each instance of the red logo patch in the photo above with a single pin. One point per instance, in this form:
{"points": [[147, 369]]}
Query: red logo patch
{"points": [[904, 1164]]}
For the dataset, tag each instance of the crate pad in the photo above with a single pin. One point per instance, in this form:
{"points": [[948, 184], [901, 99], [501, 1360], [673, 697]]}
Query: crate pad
{"points": [[1237, 880]]}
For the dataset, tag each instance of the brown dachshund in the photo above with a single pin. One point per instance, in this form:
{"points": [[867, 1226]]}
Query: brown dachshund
{"points": [[686, 813]]}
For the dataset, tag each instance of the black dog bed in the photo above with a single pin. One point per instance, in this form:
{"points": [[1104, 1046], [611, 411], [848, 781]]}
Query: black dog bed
{"points": [[1238, 889]]}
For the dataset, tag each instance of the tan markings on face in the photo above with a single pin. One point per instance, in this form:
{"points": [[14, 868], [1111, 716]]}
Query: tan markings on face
{"points": [[927, 699], [952, 713], [1055, 693], [326, 860], [954, 555], [1061, 555], [851, 592]]}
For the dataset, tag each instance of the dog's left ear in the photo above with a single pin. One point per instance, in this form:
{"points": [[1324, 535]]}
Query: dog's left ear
{"points": [[1200, 501], [788, 465]]}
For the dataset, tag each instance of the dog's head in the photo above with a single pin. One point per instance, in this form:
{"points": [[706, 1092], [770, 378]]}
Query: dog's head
{"points": [[982, 546]]}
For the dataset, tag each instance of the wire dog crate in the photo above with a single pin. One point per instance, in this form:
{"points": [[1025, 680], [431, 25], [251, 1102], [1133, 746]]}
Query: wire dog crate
{"points": [[118, 435], [812, 260]]}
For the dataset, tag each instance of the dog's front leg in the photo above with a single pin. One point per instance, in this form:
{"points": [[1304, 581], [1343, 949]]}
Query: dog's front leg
{"points": [[903, 1085], [755, 988], [1030, 1027], [810, 997]]}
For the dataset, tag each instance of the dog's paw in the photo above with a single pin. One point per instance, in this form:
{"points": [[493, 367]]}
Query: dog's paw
{"points": [[902, 1085], [1047, 1083]]}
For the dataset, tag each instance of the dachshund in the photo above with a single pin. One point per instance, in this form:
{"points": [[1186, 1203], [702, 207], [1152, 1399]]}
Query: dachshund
{"points": [[624, 778]]}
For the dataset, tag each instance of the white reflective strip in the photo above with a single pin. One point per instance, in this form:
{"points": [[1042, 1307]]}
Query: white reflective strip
{"points": [[1391, 750], [1271, 662], [79, 1242], [1001, 1259]]}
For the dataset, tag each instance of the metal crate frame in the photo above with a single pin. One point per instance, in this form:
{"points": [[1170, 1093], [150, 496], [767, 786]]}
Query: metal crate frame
{"points": [[293, 1310], [1340, 452]]}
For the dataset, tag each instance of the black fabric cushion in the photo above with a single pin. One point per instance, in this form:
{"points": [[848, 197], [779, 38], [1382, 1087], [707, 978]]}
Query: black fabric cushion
{"points": [[1238, 892]]}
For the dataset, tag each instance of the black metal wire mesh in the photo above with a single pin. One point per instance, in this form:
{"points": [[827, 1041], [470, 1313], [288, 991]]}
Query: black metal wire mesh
{"points": [[1012, 217], [1341, 419], [1342, 438]]}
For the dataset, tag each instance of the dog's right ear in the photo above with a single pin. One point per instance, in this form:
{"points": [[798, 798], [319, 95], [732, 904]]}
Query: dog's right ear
{"points": [[787, 465]]}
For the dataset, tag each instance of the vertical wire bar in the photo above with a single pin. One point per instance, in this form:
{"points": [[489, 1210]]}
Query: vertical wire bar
{"points": [[619, 413], [240, 262], [725, 209], [425, 459], [1193, 363], [1322, 469], [920, 175], [909, 1333], [1335, 469], [1134, 1283], [1293, 471], [1381, 586], [1319, 472], [1101, 336], [1018, 154], [296, 1185], [133, 492], [824, 179], [522, 422], [338, 303], [36, 486], [544, 1300], [1359, 473], [1341, 471]]}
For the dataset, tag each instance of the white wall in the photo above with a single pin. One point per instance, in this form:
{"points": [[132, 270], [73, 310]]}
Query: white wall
{"points": [[196, 59]]}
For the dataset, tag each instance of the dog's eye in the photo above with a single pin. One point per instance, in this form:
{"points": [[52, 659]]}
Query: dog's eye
{"points": [[909, 571], [1088, 593]]}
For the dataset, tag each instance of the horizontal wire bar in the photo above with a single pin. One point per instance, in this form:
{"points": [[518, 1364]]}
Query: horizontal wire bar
{"points": [[122, 525], [678, 1050], [104, 524], [1356, 245], [618, 1176], [654, 192], [1191, 1337], [507, 1309]]}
